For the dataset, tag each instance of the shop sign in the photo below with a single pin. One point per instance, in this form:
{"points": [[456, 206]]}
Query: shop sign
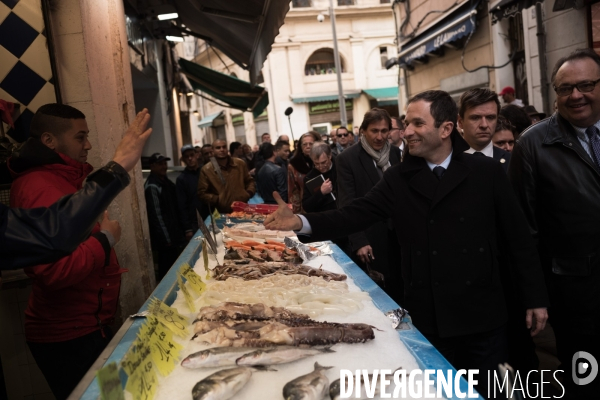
{"points": [[327, 107]]}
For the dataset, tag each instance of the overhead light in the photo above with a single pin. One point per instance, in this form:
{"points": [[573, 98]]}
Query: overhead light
{"points": [[196, 113], [174, 38], [163, 17], [190, 93]]}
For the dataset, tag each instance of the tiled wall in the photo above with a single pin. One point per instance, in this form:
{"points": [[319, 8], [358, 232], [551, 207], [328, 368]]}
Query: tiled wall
{"points": [[25, 72]]}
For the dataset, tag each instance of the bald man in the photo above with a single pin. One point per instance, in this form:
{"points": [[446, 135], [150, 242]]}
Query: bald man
{"points": [[224, 179]]}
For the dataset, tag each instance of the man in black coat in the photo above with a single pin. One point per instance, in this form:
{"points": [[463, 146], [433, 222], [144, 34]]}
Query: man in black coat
{"points": [[555, 172], [477, 118], [187, 193], [357, 172], [449, 210]]}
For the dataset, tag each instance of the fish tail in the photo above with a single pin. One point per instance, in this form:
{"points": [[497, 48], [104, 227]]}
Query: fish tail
{"points": [[327, 349], [319, 367]]}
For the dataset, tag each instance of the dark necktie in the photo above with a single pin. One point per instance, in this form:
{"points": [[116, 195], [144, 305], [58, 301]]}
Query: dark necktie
{"points": [[592, 134], [439, 172], [478, 153]]}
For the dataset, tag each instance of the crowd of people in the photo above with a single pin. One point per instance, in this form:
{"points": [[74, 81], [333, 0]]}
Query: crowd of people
{"points": [[481, 220]]}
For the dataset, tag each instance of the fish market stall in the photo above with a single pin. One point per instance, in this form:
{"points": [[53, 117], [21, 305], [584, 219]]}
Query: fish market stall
{"points": [[269, 318]]}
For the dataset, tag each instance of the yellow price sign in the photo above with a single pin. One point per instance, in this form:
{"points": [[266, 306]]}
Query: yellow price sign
{"points": [[110, 383], [193, 278], [169, 316], [164, 350], [186, 293], [143, 383], [216, 214]]}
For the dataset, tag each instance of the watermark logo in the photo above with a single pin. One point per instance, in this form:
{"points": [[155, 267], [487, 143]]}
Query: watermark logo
{"points": [[584, 368]]}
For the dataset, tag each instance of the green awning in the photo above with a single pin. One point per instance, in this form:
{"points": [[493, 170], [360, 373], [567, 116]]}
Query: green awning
{"points": [[209, 119], [384, 96], [320, 97], [228, 89]]}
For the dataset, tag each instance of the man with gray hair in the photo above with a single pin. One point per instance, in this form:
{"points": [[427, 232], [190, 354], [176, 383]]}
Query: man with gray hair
{"points": [[321, 191]]}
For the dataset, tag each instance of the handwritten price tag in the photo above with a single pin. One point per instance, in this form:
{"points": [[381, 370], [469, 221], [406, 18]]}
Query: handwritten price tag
{"points": [[216, 214], [142, 382], [188, 297], [193, 279], [164, 350], [169, 316], [110, 383]]}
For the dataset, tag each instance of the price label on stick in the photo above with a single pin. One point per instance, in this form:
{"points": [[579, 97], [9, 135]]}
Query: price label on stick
{"points": [[193, 278], [205, 257], [110, 383], [207, 236], [164, 350], [216, 214], [188, 297], [169, 316]]}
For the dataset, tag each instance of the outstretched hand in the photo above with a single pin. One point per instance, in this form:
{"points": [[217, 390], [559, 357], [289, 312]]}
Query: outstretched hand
{"points": [[129, 150], [283, 219]]}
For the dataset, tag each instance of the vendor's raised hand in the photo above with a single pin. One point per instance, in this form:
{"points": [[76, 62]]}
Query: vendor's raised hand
{"points": [[536, 319], [129, 150], [283, 219]]}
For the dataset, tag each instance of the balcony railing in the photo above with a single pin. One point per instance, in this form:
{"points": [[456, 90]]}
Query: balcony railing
{"points": [[301, 3]]}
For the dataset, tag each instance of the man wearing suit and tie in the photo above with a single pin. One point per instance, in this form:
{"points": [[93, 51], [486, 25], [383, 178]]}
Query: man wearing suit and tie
{"points": [[449, 210], [359, 168], [477, 118]]}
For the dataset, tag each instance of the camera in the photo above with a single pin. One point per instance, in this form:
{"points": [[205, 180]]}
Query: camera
{"points": [[320, 18]]}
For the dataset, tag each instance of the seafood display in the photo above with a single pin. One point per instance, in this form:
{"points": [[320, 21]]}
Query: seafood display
{"points": [[313, 386], [303, 294], [247, 215], [223, 384], [257, 270], [254, 230], [280, 355], [239, 254], [282, 328]]}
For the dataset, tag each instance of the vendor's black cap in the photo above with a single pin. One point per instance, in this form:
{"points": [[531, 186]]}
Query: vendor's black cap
{"points": [[157, 157], [186, 148]]}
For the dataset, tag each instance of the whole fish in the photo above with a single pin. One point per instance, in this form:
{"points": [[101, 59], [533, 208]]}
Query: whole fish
{"points": [[215, 357], [224, 384], [313, 386], [279, 355]]}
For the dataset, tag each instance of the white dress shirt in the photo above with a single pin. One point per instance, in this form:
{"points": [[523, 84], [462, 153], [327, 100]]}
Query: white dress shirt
{"points": [[487, 151]]}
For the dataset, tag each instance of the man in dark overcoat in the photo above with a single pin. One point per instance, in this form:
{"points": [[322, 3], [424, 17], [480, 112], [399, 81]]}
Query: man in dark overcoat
{"points": [[449, 210]]}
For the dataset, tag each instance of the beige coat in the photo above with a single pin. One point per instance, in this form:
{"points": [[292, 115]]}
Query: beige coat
{"points": [[238, 183]]}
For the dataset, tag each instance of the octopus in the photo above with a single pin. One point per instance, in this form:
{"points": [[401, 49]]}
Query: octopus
{"points": [[281, 327]]}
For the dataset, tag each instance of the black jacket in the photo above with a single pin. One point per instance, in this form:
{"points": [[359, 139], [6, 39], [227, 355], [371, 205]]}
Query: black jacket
{"points": [[271, 178], [188, 200], [43, 235], [356, 175], [163, 213], [314, 202], [558, 187], [502, 156], [448, 232]]}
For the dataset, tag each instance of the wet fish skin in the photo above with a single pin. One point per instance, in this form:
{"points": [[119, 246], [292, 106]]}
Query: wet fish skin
{"points": [[215, 357], [222, 385], [280, 355], [312, 386]]}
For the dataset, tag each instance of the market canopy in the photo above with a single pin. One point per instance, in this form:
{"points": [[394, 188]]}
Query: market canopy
{"points": [[242, 29], [457, 24], [320, 97], [384, 96], [228, 89], [209, 120], [509, 8]]}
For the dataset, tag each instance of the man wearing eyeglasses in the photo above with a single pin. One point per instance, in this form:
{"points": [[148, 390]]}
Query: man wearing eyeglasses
{"points": [[555, 171], [344, 140]]}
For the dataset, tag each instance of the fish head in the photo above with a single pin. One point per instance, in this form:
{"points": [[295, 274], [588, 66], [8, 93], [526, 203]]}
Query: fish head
{"points": [[194, 358]]}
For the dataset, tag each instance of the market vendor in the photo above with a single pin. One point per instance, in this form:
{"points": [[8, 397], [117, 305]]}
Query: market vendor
{"points": [[449, 210]]}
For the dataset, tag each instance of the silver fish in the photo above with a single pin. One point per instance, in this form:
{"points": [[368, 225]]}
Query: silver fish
{"points": [[224, 384], [215, 357], [313, 386], [279, 355]]}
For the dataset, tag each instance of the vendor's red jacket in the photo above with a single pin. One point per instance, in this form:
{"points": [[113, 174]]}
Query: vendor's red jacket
{"points": [[78, 294]]}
